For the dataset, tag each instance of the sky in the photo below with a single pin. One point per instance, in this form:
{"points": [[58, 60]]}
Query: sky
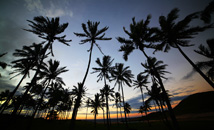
{"points": [[115, 14]]}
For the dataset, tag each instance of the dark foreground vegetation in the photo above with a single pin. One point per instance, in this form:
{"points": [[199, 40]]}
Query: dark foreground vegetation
{"points": [[193, 112], [197, 123]]}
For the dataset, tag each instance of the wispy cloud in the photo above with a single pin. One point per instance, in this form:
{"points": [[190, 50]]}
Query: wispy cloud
{"points": [[52, 10], [188, 76]]}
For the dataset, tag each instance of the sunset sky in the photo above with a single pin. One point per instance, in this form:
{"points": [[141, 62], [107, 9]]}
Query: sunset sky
{"points": [[115, 14]]}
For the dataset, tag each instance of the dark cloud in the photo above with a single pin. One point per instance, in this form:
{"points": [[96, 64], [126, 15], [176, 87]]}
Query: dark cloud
{"points": [[169, 79], [136, 102], [177, 98], [188, 76]]}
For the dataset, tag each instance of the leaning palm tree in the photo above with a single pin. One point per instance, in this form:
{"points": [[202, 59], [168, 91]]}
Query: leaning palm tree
{"points": [[140, 37], [91, 34], [96, 104], [122, 75], [207, 52], [177, 35], [104, 71], [49, 30], [28, 59], [207, 12]]}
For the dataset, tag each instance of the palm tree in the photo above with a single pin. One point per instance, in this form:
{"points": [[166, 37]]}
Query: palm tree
{"points": [[208, 52], [29, 59], [87, 105], [78, 93], [140, 34], [3, 65], [49, 30], [91, 34], [107, 91], [140, 83], [177, 35], [50, 76], [117, 102], [122, 75], [104, 71], [96, 104], [127, 108], [206, 13]]}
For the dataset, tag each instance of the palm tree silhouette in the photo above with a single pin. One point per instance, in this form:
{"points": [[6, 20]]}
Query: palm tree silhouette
{"points": [[156, 75], [91, 34], [87, 105], [3, 65], [177, 35], [78, 93], [49, 30], [104, 71], [122, 75], [208, 52], [127, 108], [106, 91], [29, 59], [140, 34], [140, 83], [50, 76], [96, 104], [117, 102], [206, 13]]}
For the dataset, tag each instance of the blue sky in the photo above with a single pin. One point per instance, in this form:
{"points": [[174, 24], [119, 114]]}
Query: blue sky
{"points": [[115, 14]]}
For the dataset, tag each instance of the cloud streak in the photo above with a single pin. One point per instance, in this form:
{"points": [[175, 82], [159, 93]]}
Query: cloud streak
{"points": [[52, 11]]}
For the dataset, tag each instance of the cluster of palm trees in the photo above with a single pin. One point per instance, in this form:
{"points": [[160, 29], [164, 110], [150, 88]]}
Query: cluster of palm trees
{"points": [[45, 92]]}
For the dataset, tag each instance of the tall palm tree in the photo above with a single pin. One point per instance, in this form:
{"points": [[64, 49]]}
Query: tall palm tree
{"points": [[207, 52], [104, 71], [122, 75], [91, 33], [140, 37], [140, 83], [78, 93], [49, 30], [177, 35], [3, 65], [29, 56], [96, 104]]}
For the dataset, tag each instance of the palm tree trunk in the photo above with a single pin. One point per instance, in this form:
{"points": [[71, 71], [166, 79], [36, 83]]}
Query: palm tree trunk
{"points": [[89, 62], [195, 67], [144, 105], [104, 117], [95, 123], [4, 106], [124, 105], [107, 107]]}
